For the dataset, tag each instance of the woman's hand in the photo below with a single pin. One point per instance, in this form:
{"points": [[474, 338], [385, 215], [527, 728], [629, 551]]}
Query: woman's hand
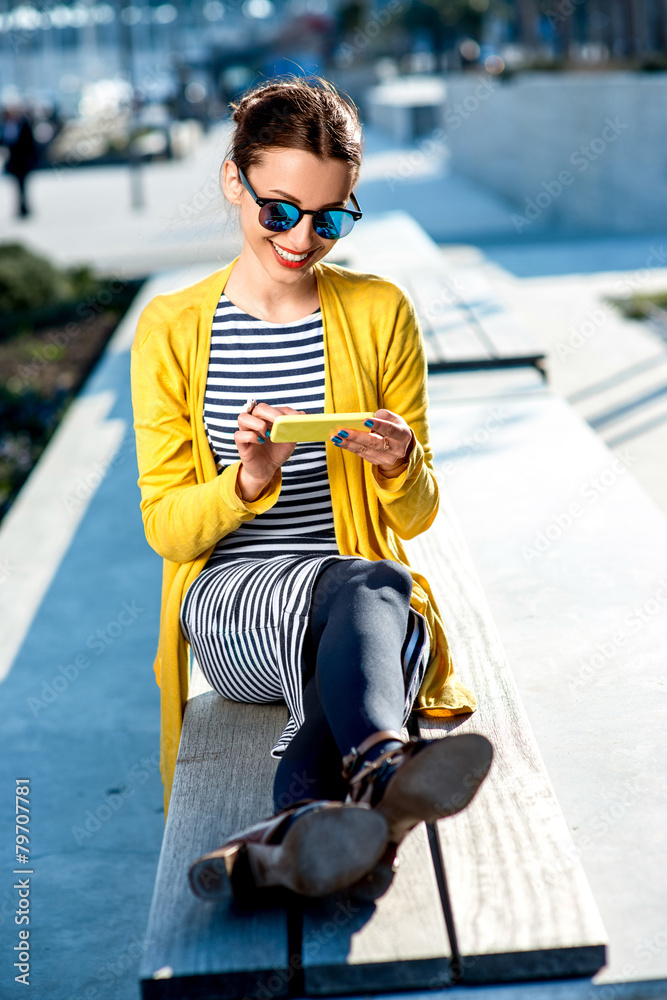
{"points": [[260, 457], [386, 425]]}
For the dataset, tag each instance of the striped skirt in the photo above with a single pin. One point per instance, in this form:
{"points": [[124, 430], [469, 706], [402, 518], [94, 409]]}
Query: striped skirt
{"points": [[246, 619]]}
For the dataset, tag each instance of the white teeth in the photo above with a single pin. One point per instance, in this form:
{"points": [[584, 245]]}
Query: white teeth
{"points": [[290, 256]]}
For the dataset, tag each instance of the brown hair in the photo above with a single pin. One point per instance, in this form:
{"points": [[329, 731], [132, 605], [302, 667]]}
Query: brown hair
{"points": [[296, 113]]}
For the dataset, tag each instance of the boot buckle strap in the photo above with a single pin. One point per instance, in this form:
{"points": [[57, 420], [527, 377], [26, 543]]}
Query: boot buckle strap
{"points": [[350, 760]]}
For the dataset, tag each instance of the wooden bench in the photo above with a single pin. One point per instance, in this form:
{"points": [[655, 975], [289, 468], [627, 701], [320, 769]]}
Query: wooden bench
{"points": [[495, 894], [466, 325]]}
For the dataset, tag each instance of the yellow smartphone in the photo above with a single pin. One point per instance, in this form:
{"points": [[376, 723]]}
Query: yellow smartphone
{"points": [[315, 426]]}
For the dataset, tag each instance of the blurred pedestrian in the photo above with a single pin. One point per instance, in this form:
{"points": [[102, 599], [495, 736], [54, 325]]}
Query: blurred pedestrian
{"points": [[17, 135]]}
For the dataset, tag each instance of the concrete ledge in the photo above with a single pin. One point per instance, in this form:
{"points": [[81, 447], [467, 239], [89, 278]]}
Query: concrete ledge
{"points": [[572, 554]]}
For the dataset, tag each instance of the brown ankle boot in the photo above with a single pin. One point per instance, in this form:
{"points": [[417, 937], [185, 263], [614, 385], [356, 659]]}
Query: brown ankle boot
{"points": [[313, 847], [422, 780]]}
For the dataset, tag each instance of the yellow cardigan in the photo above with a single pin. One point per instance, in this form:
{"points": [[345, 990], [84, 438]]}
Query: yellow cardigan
{"points": [[374, 358]]}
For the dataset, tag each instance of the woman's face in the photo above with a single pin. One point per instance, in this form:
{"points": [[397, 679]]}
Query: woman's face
{"points": [[305, 180]]}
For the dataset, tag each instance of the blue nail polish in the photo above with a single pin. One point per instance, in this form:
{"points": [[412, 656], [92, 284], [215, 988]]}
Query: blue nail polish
{"points": [[368, 423], [268, 432], [336, 440], [343, 434], [260, 439]]}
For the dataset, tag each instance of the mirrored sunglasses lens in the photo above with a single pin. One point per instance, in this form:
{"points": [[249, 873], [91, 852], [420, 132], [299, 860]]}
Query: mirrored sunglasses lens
{"points": [[333, 225], [278, 216]]}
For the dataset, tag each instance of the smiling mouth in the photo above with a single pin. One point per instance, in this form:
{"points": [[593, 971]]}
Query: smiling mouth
{"points": [[290, 255]]}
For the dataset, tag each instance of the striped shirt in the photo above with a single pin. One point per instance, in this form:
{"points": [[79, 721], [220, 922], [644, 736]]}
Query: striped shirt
{"points": [[281, 364], [244, 620]]}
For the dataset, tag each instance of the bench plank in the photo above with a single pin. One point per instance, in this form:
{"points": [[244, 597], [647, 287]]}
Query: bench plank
{"points": [[223, 782], [400, 942], [507, 336], [521, 904], [466, 325], [456, 337]]}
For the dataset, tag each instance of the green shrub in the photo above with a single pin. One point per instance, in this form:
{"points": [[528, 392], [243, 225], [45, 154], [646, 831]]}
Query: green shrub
{"points": [[29, 281], [640, 305]]}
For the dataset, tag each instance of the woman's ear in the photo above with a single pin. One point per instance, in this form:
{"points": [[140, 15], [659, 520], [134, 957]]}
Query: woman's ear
{"points": [[230, 183]]}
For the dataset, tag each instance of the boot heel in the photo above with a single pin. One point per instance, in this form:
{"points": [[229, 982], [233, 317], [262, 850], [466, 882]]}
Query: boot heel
{"points": [[210, 877], [439, 780], [323, 852]]}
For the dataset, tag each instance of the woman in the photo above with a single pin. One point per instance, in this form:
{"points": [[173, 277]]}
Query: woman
{"points": [[283, 566]]}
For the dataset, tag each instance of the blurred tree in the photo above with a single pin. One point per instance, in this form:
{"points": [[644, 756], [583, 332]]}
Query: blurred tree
{"points": [[350, 16], [551, 32], [447, 21], [634, 30], [528, 31]]}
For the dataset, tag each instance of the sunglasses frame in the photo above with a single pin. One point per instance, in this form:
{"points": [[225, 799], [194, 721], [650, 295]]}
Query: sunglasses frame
{"points": [[261, 202]]}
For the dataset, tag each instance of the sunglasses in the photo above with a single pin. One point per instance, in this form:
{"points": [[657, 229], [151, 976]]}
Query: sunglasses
{"points": [[279, 216]]}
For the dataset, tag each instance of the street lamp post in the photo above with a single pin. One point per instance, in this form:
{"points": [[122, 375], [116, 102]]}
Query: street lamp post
{"points": [[127, 54]]}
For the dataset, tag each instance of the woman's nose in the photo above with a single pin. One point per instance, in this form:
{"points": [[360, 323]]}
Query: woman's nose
{"points": [[302, 237]]}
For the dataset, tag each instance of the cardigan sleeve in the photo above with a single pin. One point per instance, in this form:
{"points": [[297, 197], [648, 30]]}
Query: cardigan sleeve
{"points": [[409, 502], [182, 517]]}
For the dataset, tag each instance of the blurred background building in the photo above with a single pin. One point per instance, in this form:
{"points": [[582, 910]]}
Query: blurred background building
{"points": [[91, 62]]}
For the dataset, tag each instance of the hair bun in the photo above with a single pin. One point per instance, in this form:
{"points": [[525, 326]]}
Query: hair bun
{"points": [[295, 113]]}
